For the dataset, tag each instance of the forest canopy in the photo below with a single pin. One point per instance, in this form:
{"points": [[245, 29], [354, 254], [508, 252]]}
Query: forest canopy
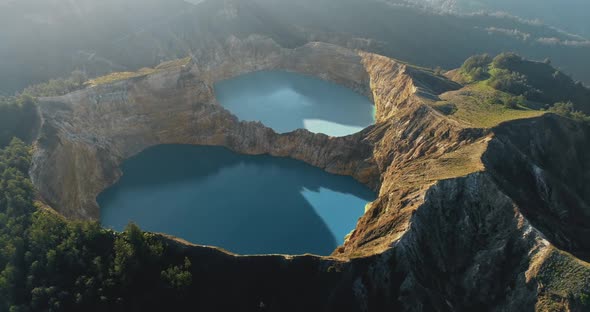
{"points": [[536, 81], [18, 116], [50, 264]]}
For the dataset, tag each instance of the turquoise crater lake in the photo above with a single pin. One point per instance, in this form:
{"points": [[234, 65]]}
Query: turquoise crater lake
{"points": [[245, 204], [286, 101]]}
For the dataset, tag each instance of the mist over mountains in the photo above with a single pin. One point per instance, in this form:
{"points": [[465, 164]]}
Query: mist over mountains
{"points": [[465, 130], [49, 39], [569, 15]]}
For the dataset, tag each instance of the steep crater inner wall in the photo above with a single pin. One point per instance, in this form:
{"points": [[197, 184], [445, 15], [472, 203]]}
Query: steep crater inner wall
{"points": [[451, 229], [87, 134]]}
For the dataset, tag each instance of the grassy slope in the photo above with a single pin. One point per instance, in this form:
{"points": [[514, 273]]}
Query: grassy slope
{"points": [[562, 281], [119, 76], [473, 105]]}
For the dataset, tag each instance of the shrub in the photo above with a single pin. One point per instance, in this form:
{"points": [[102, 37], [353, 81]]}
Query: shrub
{"points": [[514, 102], [57, 87], [511, 82], [568, 110], [507, 60], [178, 277], [585, 299], [475, 68], [511, 103], [562, 108]]}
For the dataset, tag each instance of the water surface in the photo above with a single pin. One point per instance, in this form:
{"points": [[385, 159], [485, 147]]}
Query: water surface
{"points": [[287, 101], [245, 204]]}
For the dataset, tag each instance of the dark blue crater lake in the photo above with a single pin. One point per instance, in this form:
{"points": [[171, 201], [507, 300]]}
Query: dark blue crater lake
{"points": [[287, 101], [245, 204]]}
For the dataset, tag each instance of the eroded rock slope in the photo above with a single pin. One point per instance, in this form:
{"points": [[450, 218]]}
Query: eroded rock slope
{"points": [[466, 218]]}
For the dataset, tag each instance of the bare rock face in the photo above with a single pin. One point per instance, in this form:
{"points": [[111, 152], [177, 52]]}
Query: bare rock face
{"points": [[551, 169], [466, 218]]}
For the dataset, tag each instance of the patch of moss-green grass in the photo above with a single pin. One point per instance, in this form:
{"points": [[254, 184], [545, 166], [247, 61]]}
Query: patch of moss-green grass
{"points": [[479, 105]]}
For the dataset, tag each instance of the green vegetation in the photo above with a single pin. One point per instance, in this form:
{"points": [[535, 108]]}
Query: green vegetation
{"points": [[57, 87], [514, 102], [568, 110], [114, 77], [561, 275], [118, 76], [18, 116], [174, 63], [497, 74], [475, 68], [530, 83], [49, 264], [178, 277], [101, 47], [480, 105], [78, 80]]}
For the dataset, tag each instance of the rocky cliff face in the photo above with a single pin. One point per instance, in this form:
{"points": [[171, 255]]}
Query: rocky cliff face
{"points": [[466, 218], [87, 134]]}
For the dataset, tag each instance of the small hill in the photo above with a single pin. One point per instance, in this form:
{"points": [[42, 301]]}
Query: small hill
{"points": [[536, 81]]}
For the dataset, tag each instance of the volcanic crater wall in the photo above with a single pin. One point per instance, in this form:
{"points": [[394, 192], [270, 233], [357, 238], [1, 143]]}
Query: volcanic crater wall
{"points": [[465, 219], [87, 134]]}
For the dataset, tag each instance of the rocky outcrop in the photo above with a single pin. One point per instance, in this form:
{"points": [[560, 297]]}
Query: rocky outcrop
{"points": [[544, 166], [466, 218]]}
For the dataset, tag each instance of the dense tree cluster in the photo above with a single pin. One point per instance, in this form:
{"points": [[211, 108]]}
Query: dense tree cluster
{"points": [[475, 68], [18, 116], [50, 264]]}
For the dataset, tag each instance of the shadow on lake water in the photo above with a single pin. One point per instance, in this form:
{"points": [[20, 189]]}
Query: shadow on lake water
{"points": [[287, 101], [245, 204]]}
